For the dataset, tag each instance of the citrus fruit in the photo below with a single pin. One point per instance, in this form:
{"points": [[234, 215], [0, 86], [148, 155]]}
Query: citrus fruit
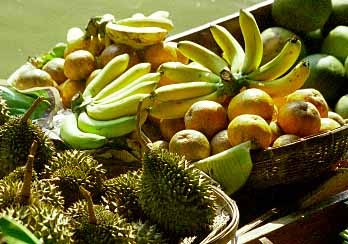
{"points": [[275, 129], [251, 127], [55, 67], [336, 43], [68, 89], [169, 127], [341, 106], [79, 65], [114, 50], [192, 144], [220, 142], [328, 124], [336, 117], [285, 139], [339, 14]]}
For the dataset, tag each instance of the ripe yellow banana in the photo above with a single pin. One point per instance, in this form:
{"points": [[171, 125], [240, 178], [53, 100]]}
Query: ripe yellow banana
{"points": [[163, 23], [186, 90], [203, 55], [136, 37], [160, 14], [74, 137], [110, 71], [129, 76], [180, 73], [285, 84], [253, 46], [110, 128], [232, 51], [119, 108], [280, 64]]}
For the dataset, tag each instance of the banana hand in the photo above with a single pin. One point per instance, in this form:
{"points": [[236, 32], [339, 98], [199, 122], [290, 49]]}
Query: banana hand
{"points": [[253, 46], [163, 23], [74, 137], [160, 14], [285, 84], [280, 64]]}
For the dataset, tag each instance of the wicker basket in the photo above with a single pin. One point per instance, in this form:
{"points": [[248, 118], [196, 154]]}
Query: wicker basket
{"points": [[298, 162]]}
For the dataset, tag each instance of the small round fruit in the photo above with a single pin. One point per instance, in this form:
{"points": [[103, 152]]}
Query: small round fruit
{"points": [[341, 106], [55, 67], [169, 127], [114, 50], [336, 43], [300, 118], [335, 116], [251, 127], [160, 144], [328, 124], [285, 139], [220, 142], [276, 130], [68, 89], [79, 65], [34, 78], [192, 144], [251, 101], [208, 117]]}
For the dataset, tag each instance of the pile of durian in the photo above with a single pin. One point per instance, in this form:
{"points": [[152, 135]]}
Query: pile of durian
{"points": [[65, 196]]}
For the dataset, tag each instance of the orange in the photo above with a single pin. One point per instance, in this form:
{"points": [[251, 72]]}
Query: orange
{"points": [[247, 127], [169, 127], [300, 118], [276, 130], [328, 124], [220, 142], [285, 139], [68, 89], [114, 50], [251, 101]]}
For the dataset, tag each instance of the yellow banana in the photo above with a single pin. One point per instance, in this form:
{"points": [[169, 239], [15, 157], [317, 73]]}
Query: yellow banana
{"points": [[232, 51], [119, 108], [74, 137], [177, 108], [138, 15], [163, 23], [160, 14], [253, 46], [186, 90], [109, 128], [285, 84], [280, 63], [136, 37], [110, 71], [180, 72], [132, 74], [203, 55]]}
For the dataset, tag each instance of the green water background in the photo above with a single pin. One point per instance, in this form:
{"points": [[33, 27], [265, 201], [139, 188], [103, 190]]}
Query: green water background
{"points": [[32, 27]]}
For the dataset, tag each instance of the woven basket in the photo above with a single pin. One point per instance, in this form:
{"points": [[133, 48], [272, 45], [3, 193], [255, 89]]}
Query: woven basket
{"points": [[298, 162]]}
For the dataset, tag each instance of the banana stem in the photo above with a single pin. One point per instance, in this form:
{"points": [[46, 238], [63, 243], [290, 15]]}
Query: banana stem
{"points": [[231, 85], [92, 219], [143, 139], [32, 108]]}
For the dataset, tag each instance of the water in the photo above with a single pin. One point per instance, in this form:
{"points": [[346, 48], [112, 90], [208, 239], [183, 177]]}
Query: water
{"points": [[31, 27]]}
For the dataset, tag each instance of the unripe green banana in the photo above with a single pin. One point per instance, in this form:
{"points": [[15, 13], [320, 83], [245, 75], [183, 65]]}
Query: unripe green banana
{"points": [[180, 73], [74, 137], [203, 55], [186, 90], [285, 84], [119, 108], [253, 46], [133, 73], [232, 51], [110, 71], [164, 23], [110, 128], [280, 64]]}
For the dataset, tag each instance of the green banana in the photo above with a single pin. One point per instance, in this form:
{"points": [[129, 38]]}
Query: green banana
{"points": [[232, 51], [186, 90], [285, 84], [133, 73], [253, 46], [180, 73], [123, 107], [109, 128], [280, 64], [163, 23], [110, 71], [74, 137], [203, 55]]}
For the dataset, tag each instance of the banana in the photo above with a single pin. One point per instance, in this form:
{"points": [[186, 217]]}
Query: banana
{"points": [[109, 128], [75, 39], [285, 84], [186, 90], [232, 51], [203, 55], [74, 137], [163, 23], [177, 108], [280, 63], [119, 108], [136, 37], [129, 76], [138, 15], [253, 46], [160, 14], [180, 73], [110, 71]]}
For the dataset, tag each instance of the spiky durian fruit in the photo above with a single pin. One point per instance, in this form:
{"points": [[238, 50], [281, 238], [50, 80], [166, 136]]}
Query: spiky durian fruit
{"points": [[145, 233], [4, 111], [18, 175], [174, 195], [16, 136], [71, 169], [121, 194]]}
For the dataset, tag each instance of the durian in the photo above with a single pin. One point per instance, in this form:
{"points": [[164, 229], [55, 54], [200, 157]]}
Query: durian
{"points": [[145, 233], [16, 136], [71, 169], [4, 111]]}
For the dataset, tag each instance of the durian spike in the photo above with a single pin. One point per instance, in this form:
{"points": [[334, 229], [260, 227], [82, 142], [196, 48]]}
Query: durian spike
{"points": [[92, 219], [28, 175], [32, 108], [143, 139]]}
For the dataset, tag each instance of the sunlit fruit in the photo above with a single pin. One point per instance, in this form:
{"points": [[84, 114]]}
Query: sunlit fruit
{"points": [[55, 67], [285, 140], [169, 127], [328, 124], [79, 65], [114, 50], [68, 89], [220, 142]]}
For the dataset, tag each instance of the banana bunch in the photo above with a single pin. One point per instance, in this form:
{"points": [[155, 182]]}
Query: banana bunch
{"points": [[110, 106], [240, 67], [139, 30]]}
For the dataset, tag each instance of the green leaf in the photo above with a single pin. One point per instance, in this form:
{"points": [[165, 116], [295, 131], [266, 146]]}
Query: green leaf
{"points": [[15, 233]]}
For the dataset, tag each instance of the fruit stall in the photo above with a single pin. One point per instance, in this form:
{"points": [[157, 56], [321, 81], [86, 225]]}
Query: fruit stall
{"points": [[232, 132]]}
